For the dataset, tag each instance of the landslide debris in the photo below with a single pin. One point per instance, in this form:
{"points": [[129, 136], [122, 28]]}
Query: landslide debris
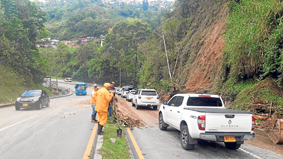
{"points": [[126, 116]]}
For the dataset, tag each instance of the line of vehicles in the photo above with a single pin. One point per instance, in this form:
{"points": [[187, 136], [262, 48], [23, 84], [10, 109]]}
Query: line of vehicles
{"points": [[140, 98], [197, 116]]}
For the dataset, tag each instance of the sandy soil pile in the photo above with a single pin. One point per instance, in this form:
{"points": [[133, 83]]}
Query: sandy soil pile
{"points": [[127, 116]]}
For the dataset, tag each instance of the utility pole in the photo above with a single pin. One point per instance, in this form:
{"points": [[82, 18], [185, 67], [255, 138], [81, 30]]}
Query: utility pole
{"points": [[166, 55], [135, 78], [120, 79]]}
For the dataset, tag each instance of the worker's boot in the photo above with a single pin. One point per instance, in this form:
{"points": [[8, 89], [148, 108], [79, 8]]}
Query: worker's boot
{"points": [[92, 118], [95, 121], [100, 132], [98, 129]]}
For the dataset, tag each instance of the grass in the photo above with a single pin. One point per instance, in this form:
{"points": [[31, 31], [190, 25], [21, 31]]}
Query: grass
{"points": [[266, 91], [253, 39], [240, 86], [110, 150], [12, 85]]}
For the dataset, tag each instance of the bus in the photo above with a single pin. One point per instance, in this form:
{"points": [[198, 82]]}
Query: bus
{"points": [[80, 88]]}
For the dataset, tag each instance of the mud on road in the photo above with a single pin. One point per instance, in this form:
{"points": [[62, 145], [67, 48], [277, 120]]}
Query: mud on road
{"points": [[144, 116]]}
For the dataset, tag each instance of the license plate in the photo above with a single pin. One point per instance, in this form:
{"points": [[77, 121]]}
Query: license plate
{"points": [[148, 98], [229, 139], [25, 105]]}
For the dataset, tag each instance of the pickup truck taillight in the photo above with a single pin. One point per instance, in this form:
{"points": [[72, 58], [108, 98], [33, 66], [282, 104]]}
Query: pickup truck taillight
{"points": [[201, 122], [253, 123]]}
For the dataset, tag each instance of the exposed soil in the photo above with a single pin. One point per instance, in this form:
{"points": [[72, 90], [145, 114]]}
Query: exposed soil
{"points": [[134, 117], [206, 68]]}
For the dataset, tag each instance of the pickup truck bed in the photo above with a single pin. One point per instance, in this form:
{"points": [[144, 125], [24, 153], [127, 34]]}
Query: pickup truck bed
{"points": [[218, 110]]}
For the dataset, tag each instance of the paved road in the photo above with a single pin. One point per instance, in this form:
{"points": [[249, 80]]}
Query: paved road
{"points": [[158, 144], [60, 131]]}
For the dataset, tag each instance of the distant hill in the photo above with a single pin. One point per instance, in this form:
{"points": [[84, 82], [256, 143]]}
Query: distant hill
{"points": [[81, 19]]}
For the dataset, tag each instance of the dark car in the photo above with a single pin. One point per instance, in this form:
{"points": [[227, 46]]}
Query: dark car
{"points": [[34, 99]]}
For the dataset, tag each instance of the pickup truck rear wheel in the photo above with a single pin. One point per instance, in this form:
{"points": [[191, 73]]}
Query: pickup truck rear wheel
{"points": [[162, 125], [133, 104], [185, 137], [232, 145]]}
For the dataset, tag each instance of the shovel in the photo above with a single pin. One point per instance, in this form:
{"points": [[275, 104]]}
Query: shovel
{"points": [[119, 130]]}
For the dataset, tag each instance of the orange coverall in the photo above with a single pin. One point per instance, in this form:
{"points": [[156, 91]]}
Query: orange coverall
{"points": [[93, 96], [102, 103]]}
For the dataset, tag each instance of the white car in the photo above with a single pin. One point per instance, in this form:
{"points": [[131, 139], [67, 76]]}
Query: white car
{"points": [[119, 91], [125, 91], [68, 80], [145, 98], [130, 95], [204, 117]]}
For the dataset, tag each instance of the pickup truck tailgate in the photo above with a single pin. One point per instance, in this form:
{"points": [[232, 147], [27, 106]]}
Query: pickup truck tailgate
{"points": [[220, 122], [226, 120]]}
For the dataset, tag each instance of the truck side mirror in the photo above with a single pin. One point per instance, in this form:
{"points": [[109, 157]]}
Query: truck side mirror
{"points": [[165, 102]]}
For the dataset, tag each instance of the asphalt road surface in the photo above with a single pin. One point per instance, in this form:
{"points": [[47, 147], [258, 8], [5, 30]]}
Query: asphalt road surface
{"points": [[61, 131], [157, 144]]}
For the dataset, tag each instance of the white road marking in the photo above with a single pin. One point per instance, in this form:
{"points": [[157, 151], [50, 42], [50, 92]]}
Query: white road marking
{"points": [[250, 153], [17, 123]]}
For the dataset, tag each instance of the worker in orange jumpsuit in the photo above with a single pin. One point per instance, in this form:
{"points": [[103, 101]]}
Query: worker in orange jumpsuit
{"points": [[93, 102], [102, 103]]}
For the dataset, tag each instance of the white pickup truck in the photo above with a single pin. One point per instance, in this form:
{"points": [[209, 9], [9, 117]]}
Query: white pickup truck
{"points": [[204, 117]]}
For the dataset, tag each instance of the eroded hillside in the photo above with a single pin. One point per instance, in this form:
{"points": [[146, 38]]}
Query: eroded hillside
{"points": [[201, 53]]}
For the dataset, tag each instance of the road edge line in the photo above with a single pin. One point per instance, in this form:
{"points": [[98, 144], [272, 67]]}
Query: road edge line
{"points": [[90, 142], [250, 153], [137, 148]]}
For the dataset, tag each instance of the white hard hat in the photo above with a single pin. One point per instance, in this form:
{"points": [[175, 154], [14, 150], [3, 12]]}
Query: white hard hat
{"points": [[94, 85]]}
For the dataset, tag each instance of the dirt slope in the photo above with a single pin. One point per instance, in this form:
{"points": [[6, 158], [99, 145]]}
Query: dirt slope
{"points": [[201, 58], [205, 69]]}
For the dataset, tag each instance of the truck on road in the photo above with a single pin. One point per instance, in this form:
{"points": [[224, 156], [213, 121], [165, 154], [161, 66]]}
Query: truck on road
{"points": [[204, 117]]}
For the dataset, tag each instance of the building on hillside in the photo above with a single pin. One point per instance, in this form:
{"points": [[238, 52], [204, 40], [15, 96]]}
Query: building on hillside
{"points": [[102, 37], [47, 43], [84, 40]]}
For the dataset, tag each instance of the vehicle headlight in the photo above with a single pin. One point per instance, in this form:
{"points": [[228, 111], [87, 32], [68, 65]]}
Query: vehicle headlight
{"points": [[36, 99], [18, 99]]}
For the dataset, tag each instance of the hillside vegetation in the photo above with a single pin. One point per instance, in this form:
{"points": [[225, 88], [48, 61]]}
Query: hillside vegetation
{"points": [[13, 84], [21, 24], [253, 53], [78, 19]]}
